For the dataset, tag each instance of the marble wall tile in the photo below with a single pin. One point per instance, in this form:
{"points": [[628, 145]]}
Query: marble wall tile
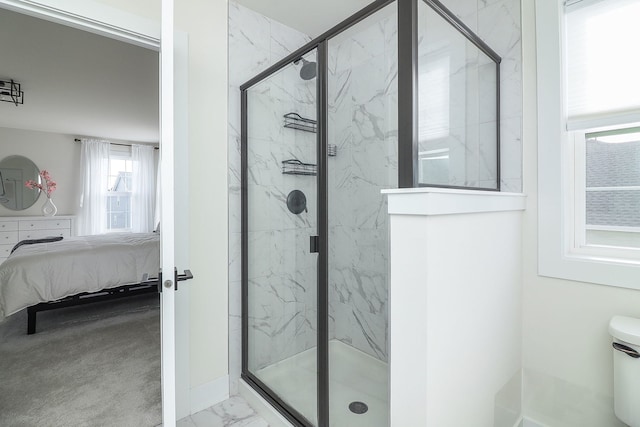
{"points": [[249, 41], [371, 335], [466, 11], [259, 243], [235, 258], [390, 25], [511, 149], [259, 220], [487, 87], [339, 57], [487, 155], [367, 40], [277, 324], [499, 24], [362, 122], [277, 271], [285, 40]]}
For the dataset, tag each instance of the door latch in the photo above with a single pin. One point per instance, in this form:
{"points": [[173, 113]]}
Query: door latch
{"points": [[187, 275]]}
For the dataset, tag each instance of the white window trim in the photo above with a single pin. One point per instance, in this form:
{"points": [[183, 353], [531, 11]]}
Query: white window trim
{"points": [[557, 256]]}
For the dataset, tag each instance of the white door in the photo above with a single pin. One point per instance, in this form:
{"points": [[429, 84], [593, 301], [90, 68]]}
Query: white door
{"points": [[167, 215]]}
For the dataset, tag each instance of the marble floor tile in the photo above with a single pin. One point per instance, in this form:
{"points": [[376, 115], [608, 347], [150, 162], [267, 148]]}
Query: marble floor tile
{"points": [[233, 412]]}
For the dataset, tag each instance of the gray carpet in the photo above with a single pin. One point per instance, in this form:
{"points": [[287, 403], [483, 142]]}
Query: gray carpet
{"points": [[97, 365]]}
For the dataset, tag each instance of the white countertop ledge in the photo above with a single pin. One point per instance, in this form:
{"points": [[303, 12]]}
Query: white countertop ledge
{"points": [[445, 201]]}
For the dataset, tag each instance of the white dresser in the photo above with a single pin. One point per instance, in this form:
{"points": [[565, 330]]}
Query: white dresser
{"points": [[16, 228]]}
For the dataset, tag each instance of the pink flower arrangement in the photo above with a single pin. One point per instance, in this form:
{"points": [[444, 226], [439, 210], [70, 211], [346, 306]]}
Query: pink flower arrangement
{"points": [[49, 184]]}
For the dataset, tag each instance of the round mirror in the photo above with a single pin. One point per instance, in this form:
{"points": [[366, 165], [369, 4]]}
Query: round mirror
{"points": [[14, 172]]}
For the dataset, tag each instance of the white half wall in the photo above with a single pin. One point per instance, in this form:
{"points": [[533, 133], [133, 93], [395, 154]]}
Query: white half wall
{"points": [[455, 308]]}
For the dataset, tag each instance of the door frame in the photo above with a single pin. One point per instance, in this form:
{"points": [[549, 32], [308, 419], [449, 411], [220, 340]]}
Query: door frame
{"points": [[100, 19]]}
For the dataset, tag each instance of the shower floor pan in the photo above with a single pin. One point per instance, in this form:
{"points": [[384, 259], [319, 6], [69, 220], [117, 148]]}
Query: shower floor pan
{"points": [[354, 377]]}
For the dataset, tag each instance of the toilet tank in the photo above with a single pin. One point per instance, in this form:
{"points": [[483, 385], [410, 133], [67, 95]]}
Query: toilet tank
{"points": [[626, 368]]}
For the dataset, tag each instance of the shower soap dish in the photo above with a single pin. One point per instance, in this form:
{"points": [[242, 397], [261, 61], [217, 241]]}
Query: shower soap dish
{"points": [[296, 167], [296, 121]]}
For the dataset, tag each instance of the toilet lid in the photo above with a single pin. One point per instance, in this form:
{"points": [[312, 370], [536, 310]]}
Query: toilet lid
{"points": [[626, 329]]}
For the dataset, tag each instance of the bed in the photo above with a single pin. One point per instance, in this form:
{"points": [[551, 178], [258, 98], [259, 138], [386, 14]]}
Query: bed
{"points": [[78, 270]]}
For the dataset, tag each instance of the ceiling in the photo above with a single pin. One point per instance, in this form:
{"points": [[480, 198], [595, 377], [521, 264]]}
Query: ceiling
{"points": [[312, 17], [78, 83]]}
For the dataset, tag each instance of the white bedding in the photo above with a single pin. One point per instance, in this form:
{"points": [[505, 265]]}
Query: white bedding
{"points": [[50, 271]]}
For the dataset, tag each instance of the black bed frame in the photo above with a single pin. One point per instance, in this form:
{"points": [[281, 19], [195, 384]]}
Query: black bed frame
{"points": [[145, 287]]}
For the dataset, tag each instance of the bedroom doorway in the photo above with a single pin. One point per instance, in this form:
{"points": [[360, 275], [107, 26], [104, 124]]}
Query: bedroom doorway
{"points": [[96, 18]]}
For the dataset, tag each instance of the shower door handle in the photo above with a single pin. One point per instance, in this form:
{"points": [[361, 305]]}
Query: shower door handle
{"points": [[314, 245]]}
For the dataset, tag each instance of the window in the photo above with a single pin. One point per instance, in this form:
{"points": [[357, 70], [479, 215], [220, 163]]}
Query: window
{"points": [[611, 197], [119, 190], [589, 141]]}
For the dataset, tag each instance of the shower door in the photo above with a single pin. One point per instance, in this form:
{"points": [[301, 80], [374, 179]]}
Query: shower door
{"points": [[280, 219]]}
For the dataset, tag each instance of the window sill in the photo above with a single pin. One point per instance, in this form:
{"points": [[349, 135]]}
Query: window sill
{"points": [[590, 268]]}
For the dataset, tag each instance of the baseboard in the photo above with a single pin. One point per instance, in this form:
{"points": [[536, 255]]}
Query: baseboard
{"points": [[209, 394], [261, 406]]}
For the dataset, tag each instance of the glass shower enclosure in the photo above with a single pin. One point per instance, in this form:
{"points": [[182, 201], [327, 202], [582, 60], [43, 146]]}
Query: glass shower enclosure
{"points": [[401, 94]]}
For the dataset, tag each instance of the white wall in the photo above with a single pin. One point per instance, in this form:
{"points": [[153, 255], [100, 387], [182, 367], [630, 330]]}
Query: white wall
{"points": [[567, 355], [55, 152], [88, 85], [205, 21]]}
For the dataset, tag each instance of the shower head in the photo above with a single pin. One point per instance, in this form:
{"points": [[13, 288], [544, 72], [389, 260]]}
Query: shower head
{"points": [[308, 70]]}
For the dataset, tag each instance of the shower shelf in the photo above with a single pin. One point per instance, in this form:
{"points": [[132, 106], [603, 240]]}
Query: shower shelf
{"points": [[296, 121], [296, 167]]}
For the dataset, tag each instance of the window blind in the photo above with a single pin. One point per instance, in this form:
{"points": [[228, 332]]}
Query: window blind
{"points": [[602, 63]]}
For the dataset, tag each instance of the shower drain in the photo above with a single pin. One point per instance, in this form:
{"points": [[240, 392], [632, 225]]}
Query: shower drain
{"points": [[358, 407]]}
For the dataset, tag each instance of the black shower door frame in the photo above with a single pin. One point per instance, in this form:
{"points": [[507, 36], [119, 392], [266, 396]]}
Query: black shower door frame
{"points": [[407, 12]]}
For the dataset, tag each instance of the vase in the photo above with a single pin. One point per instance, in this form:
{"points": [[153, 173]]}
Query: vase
{"points": [[49, 209]]}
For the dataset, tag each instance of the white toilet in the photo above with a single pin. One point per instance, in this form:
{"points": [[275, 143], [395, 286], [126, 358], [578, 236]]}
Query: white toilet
{"points": [[626, 368]]}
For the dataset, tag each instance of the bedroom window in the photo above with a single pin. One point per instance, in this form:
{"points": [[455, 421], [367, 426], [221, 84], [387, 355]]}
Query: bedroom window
{"points": [[602, 95], [118, 187], [589, 141], [119, 190]]}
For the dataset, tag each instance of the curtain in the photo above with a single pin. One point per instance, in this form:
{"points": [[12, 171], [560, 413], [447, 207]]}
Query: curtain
{"points": [[94, 170], [143, 188]]}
